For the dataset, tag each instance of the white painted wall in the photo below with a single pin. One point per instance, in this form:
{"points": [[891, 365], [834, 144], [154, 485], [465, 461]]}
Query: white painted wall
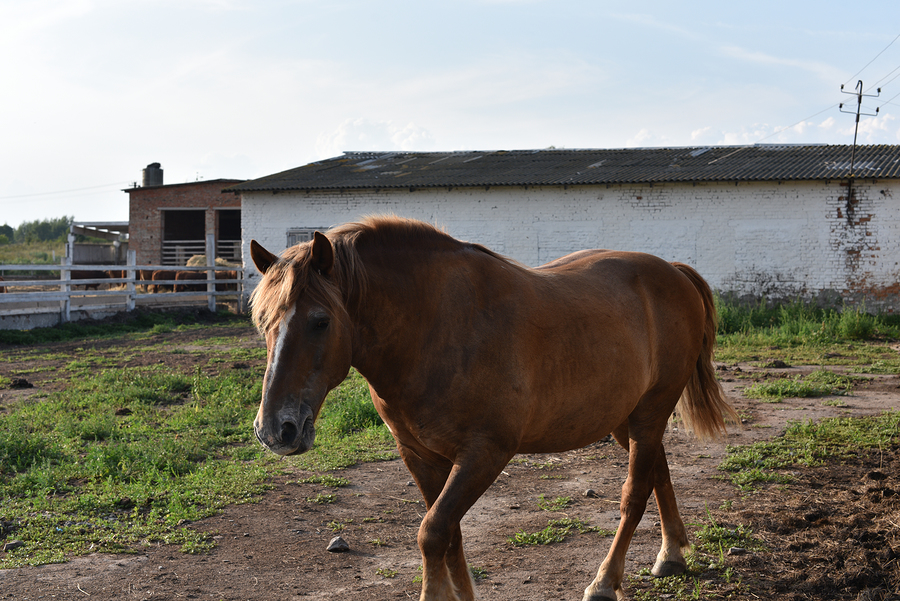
{"points": [[778, 240]]}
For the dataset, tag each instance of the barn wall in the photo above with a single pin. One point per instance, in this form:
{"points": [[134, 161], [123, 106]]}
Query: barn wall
{"points": [[778, 241], [146, 205]]}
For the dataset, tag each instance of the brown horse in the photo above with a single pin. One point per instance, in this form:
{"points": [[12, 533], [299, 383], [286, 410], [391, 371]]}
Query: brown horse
{"points": [[472, 358]]}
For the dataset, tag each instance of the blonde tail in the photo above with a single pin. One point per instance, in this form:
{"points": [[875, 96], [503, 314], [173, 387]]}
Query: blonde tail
{"points": [[703, 408]]}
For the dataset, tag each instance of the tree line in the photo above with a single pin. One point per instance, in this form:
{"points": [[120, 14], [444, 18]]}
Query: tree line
{"points": [[43, 230]]}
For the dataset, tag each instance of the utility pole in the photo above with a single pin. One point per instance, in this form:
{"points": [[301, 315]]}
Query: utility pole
{"points": [[859, 98]]}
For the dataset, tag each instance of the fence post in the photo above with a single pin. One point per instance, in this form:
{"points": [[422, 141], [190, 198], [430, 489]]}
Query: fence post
{"points": [[242, 302], [210, 273], [131, 259], [65, 276]]}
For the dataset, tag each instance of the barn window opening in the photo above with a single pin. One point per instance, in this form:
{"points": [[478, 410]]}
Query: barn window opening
{"points": [[298, 235], [184, 235]]}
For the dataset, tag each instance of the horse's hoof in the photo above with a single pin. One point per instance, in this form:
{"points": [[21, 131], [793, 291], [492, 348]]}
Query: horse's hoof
{"points": [[668, 568], [603, 595]]}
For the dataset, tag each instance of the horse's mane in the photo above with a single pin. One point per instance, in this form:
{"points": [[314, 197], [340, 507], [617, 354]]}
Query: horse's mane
{"points": [[291, 275]]}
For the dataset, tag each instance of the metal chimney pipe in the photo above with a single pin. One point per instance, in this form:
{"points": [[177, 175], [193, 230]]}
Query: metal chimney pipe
{"points": [[153, 175]]}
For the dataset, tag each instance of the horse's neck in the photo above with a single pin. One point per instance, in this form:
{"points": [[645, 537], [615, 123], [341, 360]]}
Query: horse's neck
{"points": [[388, 318]]}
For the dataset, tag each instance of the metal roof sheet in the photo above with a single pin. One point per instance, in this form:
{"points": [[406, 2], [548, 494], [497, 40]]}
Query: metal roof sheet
{"points": [[583, 167]]}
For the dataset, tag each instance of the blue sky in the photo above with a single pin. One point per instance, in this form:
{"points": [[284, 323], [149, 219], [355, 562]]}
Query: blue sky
{"points": [[94, 90]]}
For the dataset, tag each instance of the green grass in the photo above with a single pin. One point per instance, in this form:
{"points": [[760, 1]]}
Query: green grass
{"points": [[818, 383], [349, 431], [707, 575], [32, 253], [137, 324], [557, 504], [329, 480], [808, 444], [555, 532], [801, 333], [127, 457]]}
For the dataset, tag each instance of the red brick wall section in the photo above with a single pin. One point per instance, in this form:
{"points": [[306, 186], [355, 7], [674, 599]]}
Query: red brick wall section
{"points": [[145, 207]]}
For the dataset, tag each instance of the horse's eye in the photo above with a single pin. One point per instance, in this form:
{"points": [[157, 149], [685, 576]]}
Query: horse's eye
{"points": [[322, 324]]}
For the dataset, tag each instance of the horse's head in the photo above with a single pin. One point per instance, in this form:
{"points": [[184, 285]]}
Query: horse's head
{"points": [[299, 309]]}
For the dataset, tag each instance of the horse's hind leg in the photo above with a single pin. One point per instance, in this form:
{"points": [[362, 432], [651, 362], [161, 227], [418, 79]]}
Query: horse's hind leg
{"points": [[643, 450], [670, 560]]}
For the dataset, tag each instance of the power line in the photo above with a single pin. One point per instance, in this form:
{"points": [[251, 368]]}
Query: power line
{"points": [[873, 60], [118, 185], [888, 101], [888, 75], [776, 132]]}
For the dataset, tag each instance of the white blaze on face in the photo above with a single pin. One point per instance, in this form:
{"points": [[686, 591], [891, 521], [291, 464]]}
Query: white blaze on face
{"points": [[277, 359]]}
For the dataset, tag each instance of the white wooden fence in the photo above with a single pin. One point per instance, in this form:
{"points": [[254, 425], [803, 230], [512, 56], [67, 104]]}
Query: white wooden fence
{"points": [[67, 295]]}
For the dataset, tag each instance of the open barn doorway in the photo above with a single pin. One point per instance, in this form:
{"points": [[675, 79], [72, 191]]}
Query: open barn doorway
{"points": [[228, 234]]}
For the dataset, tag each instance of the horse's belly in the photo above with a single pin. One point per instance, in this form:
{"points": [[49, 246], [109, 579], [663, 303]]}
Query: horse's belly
{"points": [[574, 427]]}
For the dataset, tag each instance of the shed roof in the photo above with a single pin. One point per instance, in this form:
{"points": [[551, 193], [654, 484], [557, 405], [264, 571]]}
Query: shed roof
{"points": [[554, 167]]}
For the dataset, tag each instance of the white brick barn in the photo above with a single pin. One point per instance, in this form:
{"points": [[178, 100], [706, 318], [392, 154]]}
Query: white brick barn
{"points": [[772, 221]]}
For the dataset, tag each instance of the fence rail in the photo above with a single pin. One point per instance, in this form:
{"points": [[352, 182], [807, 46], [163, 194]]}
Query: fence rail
{"points": [[78, 288]]}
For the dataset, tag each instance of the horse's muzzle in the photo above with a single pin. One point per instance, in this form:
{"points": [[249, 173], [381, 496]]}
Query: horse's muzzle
{"points": [[287, 434]]}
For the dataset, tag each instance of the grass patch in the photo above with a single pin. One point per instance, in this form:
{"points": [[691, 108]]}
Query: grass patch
{"points": [[808, 444], [801, 333], [555, 532], [38, 252], [124, 458], [325, 480], [135, 323], [818, 383], [322, 499], [349, 431], [557, 504], [880, 366], [706, 575]]}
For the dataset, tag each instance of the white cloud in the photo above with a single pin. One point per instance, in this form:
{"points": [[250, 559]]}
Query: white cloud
{"points": [[745, 135], [363, 134], [646, 138], [873, 130], [700, 133], [828, 124]]}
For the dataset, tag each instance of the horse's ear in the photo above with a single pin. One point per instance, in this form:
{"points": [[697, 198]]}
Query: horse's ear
{"points": [[262, 258], [322, 254]]}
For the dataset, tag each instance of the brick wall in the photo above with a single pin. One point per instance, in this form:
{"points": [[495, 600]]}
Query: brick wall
{"points": [[146, 205], [775, 240]]}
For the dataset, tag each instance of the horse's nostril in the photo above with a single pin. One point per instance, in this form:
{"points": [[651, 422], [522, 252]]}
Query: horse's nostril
{"points": [[288, 432]]}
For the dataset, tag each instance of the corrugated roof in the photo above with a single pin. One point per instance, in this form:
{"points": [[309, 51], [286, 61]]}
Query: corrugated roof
{"points": [[583, 167]]}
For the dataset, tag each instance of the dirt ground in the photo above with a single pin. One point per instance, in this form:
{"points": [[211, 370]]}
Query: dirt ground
{"points": [[833, 533]]}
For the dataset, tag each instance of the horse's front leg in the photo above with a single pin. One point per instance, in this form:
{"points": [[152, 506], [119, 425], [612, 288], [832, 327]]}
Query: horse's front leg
{"points": [[449, 491]]}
